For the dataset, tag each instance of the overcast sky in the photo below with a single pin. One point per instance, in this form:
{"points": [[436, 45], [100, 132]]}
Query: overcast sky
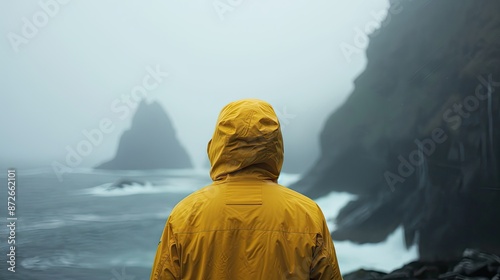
{"points": [[65, 74]]}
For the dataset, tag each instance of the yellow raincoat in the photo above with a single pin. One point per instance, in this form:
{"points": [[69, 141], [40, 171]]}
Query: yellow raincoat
{"points": [[245, 225]]}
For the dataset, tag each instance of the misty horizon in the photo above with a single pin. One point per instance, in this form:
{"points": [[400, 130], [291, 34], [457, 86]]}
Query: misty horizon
{"points": [[77, 68]]}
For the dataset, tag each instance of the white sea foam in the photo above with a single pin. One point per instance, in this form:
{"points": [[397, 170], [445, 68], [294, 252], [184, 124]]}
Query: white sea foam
{"points": [[286, 179], [182, 182], [385, 256], [118, 218], [331, 205], [135, 188], [176, 172], [43, 225], [62, 259], [72, 220]]}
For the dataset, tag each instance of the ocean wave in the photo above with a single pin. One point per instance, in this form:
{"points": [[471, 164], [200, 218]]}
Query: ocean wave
{"points": [[23, 224], [61, 259], [107, 189], [30, 171], [178, 172], [393, 250], [287, 179], [72, 220], [116, 264], [331, 204], [118, 218], [350, 254], [193, 172], [47, 224]]}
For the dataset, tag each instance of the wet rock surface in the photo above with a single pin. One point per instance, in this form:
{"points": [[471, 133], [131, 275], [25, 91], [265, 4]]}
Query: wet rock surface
{"points": [[418, 140], [474, 265], [126, 183]]}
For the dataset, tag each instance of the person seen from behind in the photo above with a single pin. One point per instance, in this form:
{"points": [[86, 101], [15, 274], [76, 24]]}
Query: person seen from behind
{"points": [[245, 225]]}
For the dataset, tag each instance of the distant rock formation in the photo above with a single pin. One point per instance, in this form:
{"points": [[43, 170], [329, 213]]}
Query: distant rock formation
{"points": [[150, 143], [126, 183], [418, 140]]}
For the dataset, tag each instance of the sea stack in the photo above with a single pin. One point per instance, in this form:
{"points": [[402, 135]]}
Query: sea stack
{"points": [[150, 143]]}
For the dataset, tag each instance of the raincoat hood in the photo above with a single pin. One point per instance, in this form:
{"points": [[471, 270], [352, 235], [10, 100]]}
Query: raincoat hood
{"points": [[245, 225], [247, 142]]}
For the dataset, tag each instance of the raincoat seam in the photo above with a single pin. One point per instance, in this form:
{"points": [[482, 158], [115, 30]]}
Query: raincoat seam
{"points": [[249, 122], [246, 229]]}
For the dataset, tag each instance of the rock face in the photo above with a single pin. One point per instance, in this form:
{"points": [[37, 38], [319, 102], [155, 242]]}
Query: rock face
{"points": [[150, 143], [418, 140], [474, 265], [126, 183]]}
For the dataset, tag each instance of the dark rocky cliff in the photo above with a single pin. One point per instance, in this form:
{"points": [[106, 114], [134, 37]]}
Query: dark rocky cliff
{"points": [[418, 138], [150, 143]]}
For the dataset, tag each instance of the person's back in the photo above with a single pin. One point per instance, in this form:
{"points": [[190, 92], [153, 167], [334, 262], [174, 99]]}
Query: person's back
{"points": [[245, 225]]}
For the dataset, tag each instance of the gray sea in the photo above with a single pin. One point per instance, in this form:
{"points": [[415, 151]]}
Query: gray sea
{"points": [[84, 228]]}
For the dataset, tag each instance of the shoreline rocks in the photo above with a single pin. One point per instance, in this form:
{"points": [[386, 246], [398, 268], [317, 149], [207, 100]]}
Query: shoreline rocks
{"points": [[474, 265]]}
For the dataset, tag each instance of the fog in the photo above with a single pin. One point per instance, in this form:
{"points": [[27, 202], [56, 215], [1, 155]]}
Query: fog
{"points": [[89, 54]]}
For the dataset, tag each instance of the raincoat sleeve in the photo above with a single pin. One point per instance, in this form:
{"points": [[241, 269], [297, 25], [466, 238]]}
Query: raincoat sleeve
{"points": [[324, 265], [166, 265]]}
